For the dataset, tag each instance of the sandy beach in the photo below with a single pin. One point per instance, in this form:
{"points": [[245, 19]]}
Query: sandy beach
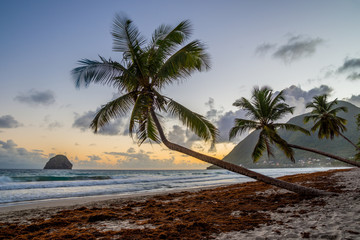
{"points": [[243, 211]]}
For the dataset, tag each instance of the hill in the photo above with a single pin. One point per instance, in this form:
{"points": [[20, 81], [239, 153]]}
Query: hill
{"points": [[241, 154]]}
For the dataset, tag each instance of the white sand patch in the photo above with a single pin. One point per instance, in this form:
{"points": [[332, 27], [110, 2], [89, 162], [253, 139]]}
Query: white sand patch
{"points": [[338, 219], [119, 225]]}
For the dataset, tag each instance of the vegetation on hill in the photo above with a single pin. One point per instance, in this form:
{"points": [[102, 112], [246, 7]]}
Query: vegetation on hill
{"points": [[241, 154]]}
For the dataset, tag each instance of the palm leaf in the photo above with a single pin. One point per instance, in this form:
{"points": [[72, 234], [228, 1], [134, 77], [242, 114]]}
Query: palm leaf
{"points": [[165, 41], [182, 64], [127, 39], [139, 116], [104, 72], [291, 127], [241, 126], [116, 108], [194, 121], [126, 36], [250, 109], [261, 146]]}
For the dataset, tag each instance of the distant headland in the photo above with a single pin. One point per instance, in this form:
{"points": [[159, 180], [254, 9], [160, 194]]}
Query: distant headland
{"points": [[58, 162]]}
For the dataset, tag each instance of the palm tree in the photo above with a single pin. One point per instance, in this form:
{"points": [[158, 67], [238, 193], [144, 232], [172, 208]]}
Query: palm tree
{"points": [[264, 109], [326, 121], [144, 71]]}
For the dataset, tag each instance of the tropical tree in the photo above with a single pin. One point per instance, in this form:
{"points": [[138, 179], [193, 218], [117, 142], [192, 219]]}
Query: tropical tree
{"points": [[264, 109], [326, 121], [144, 71]]}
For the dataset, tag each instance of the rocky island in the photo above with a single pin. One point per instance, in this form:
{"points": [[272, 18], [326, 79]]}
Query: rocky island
{"points": [[58, 162]]}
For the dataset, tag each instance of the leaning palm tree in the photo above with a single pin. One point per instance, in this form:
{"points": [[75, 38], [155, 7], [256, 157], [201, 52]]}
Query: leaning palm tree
{"points": [[326, 121], [145, 70], [264, 110]]}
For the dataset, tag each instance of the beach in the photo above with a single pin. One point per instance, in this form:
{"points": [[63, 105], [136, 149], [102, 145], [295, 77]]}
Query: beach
{"points": [[250, 210]]}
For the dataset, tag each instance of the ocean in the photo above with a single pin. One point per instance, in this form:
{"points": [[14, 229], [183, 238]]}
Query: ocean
{"points": [[20, 186]]}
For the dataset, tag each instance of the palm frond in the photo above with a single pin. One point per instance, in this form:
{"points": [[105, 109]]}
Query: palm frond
{"points": [[194, 121], [310, 117], [147, 131], [279, 142], [128, 40], [241, 126], [261, 146], [104, 72], [126, 36], [250, 109], [284, 147], [165, 41], [334, 111], [192, 57], [116, 108], [160, 101], [139, 115], [152, 131], [167, 38], [291, 127]]}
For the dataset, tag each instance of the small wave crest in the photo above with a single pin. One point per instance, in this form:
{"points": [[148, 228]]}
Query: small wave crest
{"points": [[5, 179], [58, 178]]}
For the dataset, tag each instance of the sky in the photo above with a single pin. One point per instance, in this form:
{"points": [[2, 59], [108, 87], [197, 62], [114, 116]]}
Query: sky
{"points": [[305, 48]]}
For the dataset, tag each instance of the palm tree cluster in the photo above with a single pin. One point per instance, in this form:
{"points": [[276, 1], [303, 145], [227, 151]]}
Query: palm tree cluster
{"points": [[265, 108], [147, 67]]}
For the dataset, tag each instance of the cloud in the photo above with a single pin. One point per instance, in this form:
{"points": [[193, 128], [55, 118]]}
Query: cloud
{"points": [[350, 64], [131, 150], [354, 76], [51, 125], [297, 97], [264, 48], [352, 68], [12, 156], [9, 121], [83, 122], [297, 93], [354, 99], [142, 160], [296, 48], [94, 158], [224, 121], [177, 135], [54, 125], [35, 98]]}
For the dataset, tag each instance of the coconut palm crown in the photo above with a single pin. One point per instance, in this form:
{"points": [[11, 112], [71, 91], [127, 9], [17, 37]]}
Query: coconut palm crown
{"points": [[324, 115], [144, 70], [264, 109]]}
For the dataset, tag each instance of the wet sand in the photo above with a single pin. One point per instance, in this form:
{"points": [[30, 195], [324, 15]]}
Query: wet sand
{"points": [[242, 211]]}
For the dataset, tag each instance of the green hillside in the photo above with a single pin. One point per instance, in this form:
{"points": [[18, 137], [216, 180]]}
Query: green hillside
{"points": [[241, 154]]}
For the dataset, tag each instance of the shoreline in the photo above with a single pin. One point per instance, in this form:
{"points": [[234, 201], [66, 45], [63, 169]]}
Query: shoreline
{"points": [[75, 200], [238, 211]]}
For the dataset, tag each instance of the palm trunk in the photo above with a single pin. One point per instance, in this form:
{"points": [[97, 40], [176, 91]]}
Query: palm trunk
{"points": [[354, 163], [356, 147], [235, 168]]}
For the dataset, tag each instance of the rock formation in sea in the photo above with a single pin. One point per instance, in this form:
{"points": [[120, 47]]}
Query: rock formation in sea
{"points": [[58, 162]]}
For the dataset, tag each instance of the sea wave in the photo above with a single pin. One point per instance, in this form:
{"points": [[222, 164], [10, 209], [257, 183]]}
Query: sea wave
{"points": [[111, 181], [5, 179], [57, 178]]}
